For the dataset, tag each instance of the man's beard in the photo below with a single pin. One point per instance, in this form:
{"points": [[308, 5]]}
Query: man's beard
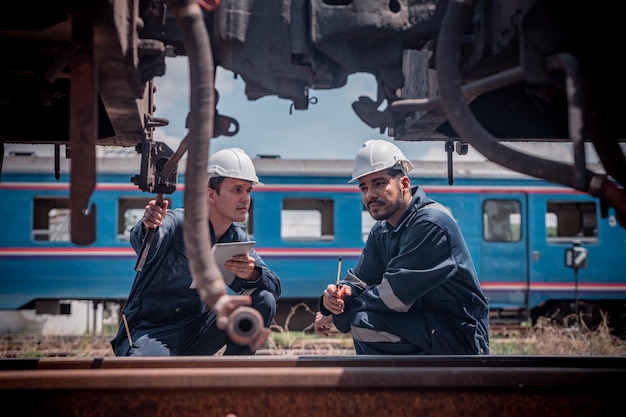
{"points": [[389, 209]]}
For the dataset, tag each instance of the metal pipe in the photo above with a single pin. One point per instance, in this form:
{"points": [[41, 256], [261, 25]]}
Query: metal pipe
{"points": [[470, 91], [206, 274], [207, 277], [448, 59], [575, 109], [244, 325]]}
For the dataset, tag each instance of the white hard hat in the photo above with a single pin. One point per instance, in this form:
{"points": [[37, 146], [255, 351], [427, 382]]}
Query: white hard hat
{"points": [[378, 155], [232, 163]]}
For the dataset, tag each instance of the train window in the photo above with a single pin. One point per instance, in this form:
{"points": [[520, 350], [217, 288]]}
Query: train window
{"points": [[568, 220], [502, 220], [130, 211], [307, 219], [367, 221], [51, 221]]}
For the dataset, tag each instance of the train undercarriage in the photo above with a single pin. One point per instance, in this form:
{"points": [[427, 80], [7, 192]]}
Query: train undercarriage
{"points": [[461, 72]]}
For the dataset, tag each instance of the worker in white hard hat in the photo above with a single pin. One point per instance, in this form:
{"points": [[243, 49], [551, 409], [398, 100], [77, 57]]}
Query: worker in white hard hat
{"points": [[414, 289], [164, 315]]}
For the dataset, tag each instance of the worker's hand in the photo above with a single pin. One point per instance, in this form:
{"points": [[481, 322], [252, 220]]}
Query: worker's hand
{"points": [[243, 324], [225, 306], [154, 214], [323, 324], [243, 267], [260, 339], [333, 297]]}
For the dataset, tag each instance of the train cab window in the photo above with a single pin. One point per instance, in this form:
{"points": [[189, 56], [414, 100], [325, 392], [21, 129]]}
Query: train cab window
{"points": [[571, 220], [51, 221], [502, 220], [307, 219]]}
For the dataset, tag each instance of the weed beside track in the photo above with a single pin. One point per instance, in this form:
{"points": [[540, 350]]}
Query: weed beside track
{"points": [[545, 338]]}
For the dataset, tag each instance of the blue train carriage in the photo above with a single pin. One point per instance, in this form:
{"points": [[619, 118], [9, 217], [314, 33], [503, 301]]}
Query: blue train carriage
{"points": [[520, 230], [41, 268], [541, 249]]}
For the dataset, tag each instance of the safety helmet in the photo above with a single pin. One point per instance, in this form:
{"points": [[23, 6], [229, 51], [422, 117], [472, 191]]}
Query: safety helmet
{"points": [[233, 163], [378, 155]]}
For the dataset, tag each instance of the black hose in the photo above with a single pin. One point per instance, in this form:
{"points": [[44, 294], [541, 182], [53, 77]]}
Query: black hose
{"points": [[207, 277], [448, 60], [244, 325]]}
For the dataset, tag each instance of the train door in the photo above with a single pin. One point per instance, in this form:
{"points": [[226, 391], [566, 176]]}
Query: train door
{"points": [[503, 255], [565, 220]]}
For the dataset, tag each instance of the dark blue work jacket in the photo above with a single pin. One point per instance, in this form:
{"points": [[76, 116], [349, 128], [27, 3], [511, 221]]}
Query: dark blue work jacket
{"points": [[422, 268], [161, 299]]}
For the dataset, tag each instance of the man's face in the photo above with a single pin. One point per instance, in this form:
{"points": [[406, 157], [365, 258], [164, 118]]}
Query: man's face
{"points": [[233, 200], [382, 195]]}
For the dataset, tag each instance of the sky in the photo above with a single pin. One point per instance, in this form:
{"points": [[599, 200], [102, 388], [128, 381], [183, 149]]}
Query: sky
{"points": [[327, 130]]}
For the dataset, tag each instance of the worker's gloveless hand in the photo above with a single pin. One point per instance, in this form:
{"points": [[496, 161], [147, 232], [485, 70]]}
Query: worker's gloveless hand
{"points": [[154, 214], [231, 311], [333, 297], [244, 267], [323, 324]]}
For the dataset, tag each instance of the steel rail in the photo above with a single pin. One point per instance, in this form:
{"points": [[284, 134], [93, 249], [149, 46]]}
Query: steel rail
{"points": [[314, 386], [305, 361]]}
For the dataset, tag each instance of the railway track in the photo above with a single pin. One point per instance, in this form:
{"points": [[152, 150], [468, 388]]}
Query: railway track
{"points": [[314, 386]]}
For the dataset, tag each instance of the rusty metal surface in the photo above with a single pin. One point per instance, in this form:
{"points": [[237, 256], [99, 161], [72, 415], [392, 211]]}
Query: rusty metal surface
{"points": [[35, 77], [324, 386], [83, 128], [286, 48], [331, 402], [307, 361]]}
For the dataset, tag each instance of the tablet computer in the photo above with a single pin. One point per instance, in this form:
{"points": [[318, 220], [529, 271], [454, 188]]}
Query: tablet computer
{"points": [[225, 251]]}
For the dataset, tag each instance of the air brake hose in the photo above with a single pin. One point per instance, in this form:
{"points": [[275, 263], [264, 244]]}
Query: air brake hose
{"points": [[206, 275], [448, 62]]}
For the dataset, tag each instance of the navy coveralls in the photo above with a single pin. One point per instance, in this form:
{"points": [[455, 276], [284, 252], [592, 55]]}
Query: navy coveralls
{"points": [[415, 288], [165, 316]]}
